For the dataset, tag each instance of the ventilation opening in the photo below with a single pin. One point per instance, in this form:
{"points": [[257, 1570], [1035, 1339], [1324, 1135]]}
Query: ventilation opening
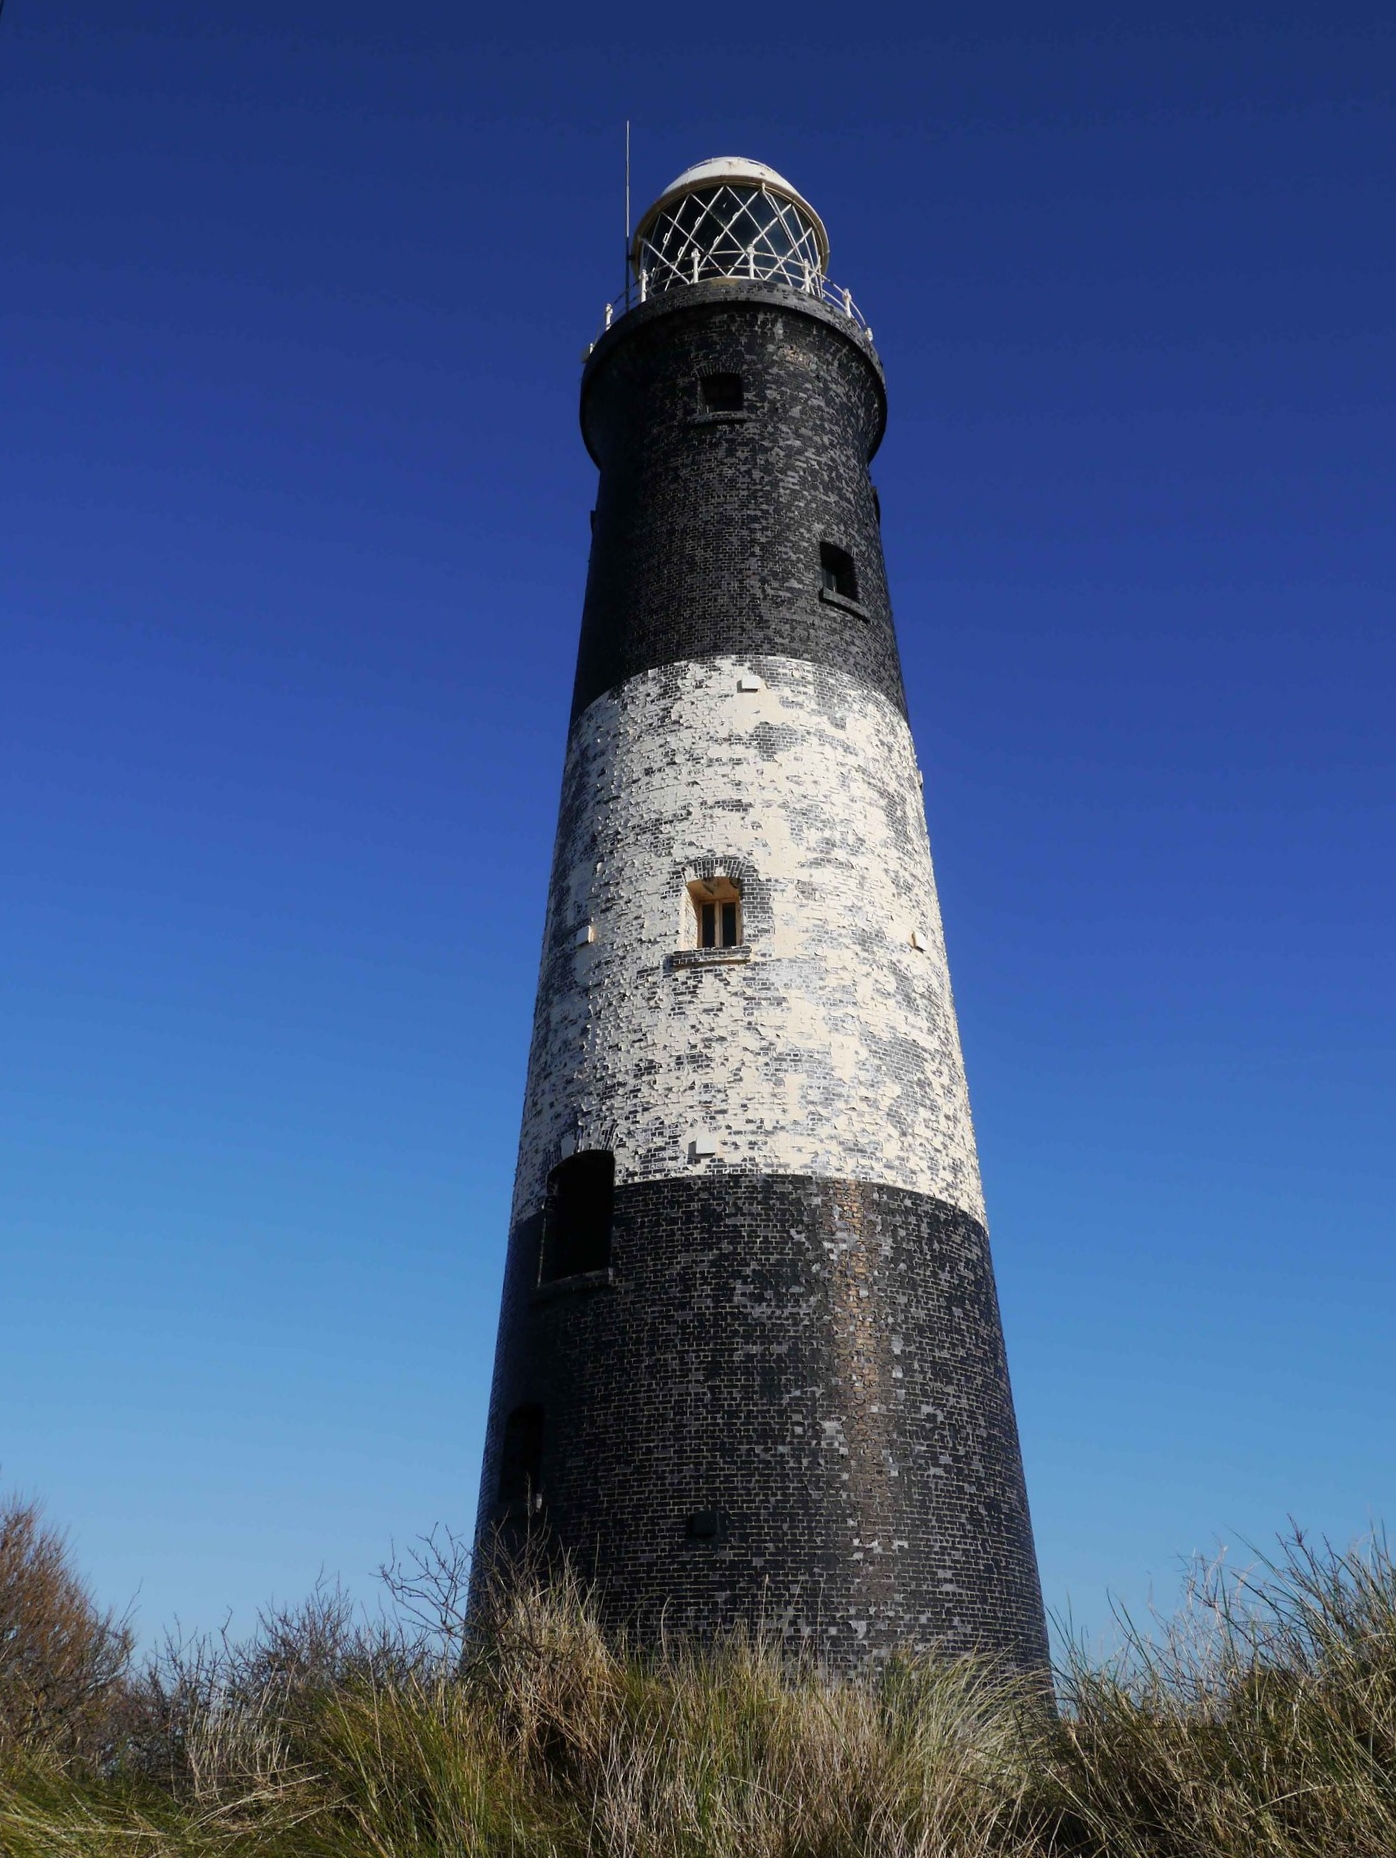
{"points": [[722, 393], [836, 571], [521, 1458], [577, 1216], [717, 913]]}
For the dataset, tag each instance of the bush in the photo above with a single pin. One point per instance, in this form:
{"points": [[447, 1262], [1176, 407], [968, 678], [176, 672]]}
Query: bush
{"points": [[63, 1661]]}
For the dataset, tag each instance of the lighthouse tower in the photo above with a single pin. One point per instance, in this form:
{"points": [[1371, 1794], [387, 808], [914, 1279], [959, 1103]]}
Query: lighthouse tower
{"points": [[750, 1364]]}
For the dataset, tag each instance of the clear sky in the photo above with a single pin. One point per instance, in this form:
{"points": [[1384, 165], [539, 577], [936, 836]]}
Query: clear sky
{"points": [[293, 530]]}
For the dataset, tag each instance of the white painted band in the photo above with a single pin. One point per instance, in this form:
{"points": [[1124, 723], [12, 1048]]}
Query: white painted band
{"points": [[833, 1049]]}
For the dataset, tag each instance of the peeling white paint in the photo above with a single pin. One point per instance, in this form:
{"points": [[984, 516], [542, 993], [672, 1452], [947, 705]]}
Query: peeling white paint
{"points": [[833, 1049]]}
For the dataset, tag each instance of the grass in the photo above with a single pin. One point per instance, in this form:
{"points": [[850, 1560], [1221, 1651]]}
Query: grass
{"points": [[1260, 1721]]}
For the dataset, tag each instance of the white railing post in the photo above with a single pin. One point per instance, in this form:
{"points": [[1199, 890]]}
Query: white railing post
{"points": [[609, 309]]}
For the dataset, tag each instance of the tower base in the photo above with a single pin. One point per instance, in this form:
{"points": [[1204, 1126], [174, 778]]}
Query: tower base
{"points": [[785, 1401]]}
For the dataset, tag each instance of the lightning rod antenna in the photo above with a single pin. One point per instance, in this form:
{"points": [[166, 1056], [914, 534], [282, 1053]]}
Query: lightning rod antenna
{"points": [[627, 207]]}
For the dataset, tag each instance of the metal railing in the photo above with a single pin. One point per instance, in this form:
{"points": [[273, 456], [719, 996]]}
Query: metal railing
{"points": [[814, 284]]}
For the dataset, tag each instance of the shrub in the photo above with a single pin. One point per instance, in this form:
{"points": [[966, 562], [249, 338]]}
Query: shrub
{"points": [[63, 1661]]}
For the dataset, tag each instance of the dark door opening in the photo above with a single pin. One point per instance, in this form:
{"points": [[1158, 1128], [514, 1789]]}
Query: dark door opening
{"points": [[578, 1213]]}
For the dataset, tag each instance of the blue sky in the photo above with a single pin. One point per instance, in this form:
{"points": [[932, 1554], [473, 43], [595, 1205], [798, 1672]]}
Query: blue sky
{"points": [[293, 528]]}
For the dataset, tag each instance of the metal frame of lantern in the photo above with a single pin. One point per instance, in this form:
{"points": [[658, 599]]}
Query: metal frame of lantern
{"points": [[731, 230]]}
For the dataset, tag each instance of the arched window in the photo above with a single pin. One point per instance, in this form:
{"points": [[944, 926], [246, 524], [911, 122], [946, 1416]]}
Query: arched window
{"points": [[577, 1215]]}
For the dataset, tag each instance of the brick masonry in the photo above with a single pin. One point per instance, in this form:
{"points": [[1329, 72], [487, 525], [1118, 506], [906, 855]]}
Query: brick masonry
{"points": [[786, 1397], [707, 527], [817, 1362]]}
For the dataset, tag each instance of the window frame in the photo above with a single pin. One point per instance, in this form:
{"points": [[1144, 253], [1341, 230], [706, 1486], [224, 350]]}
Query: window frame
{"points": [[838, 573], [722, 897]]}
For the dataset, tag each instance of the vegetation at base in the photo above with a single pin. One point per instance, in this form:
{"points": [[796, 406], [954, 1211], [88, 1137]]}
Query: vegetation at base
{"points": [[1260, 1723]]}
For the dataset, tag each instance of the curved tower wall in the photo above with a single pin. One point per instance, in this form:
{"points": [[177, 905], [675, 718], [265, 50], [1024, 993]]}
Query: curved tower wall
{"points": [[782, 1394]]}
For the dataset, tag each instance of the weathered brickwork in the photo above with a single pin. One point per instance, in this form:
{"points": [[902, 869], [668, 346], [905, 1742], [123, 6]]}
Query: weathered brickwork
{"points": [[818, 1364], [833, 1050], [707, 527], [775, 1388]]}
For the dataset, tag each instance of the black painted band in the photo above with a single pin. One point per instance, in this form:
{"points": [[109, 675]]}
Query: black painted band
{"points": [[707, 531], [815, 1371]]}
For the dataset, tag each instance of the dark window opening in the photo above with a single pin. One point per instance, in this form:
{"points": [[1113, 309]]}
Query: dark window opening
{"points": [[877, 506], [717, 925], [722, 393], [577, 1215], [521, 1457], [717, 909], [706, 1526], [836, 571]]}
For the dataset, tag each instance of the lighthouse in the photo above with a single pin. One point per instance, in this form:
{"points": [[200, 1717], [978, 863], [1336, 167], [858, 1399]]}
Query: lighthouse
{"points": [[750, 1364]]}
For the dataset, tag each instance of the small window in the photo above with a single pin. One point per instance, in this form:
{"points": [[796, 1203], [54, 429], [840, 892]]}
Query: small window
{"points": [[707, 1526], [722, 393], [836, 571], [577, 1215], [521, 1457], [717, 912]]}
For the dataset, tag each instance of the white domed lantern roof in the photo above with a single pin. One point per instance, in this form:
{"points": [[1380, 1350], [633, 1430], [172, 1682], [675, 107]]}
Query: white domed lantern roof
{"points": [[730, 218]]}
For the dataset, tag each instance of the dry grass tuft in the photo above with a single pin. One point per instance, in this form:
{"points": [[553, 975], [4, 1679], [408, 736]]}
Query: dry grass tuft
{"points": [[1260, 1721]]}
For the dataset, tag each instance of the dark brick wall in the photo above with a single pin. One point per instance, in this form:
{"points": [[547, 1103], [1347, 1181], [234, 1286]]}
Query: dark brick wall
{"points": [[816, 1364], [707, 527]]}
